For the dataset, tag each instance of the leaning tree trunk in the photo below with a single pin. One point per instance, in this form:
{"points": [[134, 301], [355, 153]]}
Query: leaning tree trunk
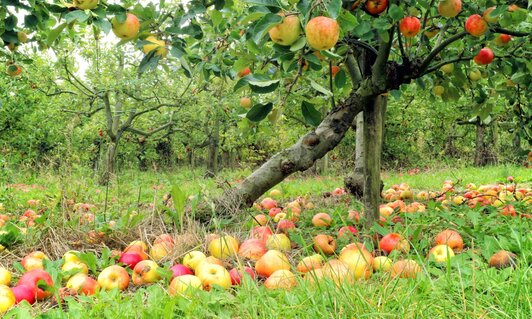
{"points": [[373, 138], [299, 157]]}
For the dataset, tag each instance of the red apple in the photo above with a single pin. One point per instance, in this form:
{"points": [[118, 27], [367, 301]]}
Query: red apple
{"points": [[23, 292], [252, 249], [376, 7], [268, 203], [237, 275], [32, 278], [244, 72], [450, 238], [285, 225], [409, 27], [324, 244], [502, 39], [261, 232], [348, 232], [321, 220], [180, 270], [475, 25], [130, 260], [484, 56], [394, 241], [271, 261], [83, 284]]}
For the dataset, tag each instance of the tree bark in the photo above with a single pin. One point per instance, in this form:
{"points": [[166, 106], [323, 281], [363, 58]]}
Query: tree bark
{"points": [[299, 157], [109, 165], [373, 138], [212, 161], [479, 145], [354, 182]]}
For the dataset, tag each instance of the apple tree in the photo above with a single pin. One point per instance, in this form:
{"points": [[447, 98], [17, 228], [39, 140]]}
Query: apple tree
{"points": [[279, 48]]}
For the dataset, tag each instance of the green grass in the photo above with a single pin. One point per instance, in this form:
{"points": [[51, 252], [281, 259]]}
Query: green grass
{"points": [[464, 288]]}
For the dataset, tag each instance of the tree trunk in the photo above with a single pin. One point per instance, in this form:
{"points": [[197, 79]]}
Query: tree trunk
{"points": [[373, 137], [479, 145], [109, 165], [354, 182], [212, 162], [299, 157], [141, 156]]}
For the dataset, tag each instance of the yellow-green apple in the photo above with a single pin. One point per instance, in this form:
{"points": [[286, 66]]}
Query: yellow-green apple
{"points": [[207, 261], [441, 253], [237, 275], [488, 17], [409, 26], [74, 267], [484, 56], [405, 269], [184, 285], [287, 32], [34, 260], [113, 277], [338, 271], [376, 7], [145, 272], [449, 8], [281, 279], [450, 238], [275, 193], [23, 292], [385, 210], [314, 276], [160, 250], [382, 263], [280, 216], [193, 258], [476, 25], [475, 75], [130, 260], [406, 194], [502, 259], [33, 278], [394, 241], [86, 4], [213, 274], [180, 270], [252, 249], [128, 29], [225, 246], [7, 299], [322, 220], [322, 33], [245, 102], [447, 69], [310, 263], [261, 233], [359, 263], [83, 284], [71, 255], [271, 261], [5, 276], [356, 246], [278, 242], [159, 46], [260, 220], [324, 244], [438, 90]]}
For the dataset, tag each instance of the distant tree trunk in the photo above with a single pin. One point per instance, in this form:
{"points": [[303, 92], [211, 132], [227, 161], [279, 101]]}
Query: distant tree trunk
{"points": [[479, 145], [164, 150], [141, 156], [109, 164], [212, 161]]}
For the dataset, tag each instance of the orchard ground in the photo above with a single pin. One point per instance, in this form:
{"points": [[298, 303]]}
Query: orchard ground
{"points": [[464, 288]]}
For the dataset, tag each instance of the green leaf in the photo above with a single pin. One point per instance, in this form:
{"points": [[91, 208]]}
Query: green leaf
{"points": [[347, 21], [78, 15], [149, 62], [333, 8], [310, 114], [264, 25], [259, 112], [299, 44], [179, 197], [395, 12], [103, 25], [52, 36], [268, 3], [320, 88], [340, 79]]}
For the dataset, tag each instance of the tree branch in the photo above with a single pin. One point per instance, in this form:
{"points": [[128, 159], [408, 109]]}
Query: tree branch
{"points": [[378, 70], [438, 49], [510, 32]]}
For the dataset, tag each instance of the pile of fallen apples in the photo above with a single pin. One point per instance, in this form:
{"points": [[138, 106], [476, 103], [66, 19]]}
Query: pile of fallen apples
{"points": [[264, 255]]}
